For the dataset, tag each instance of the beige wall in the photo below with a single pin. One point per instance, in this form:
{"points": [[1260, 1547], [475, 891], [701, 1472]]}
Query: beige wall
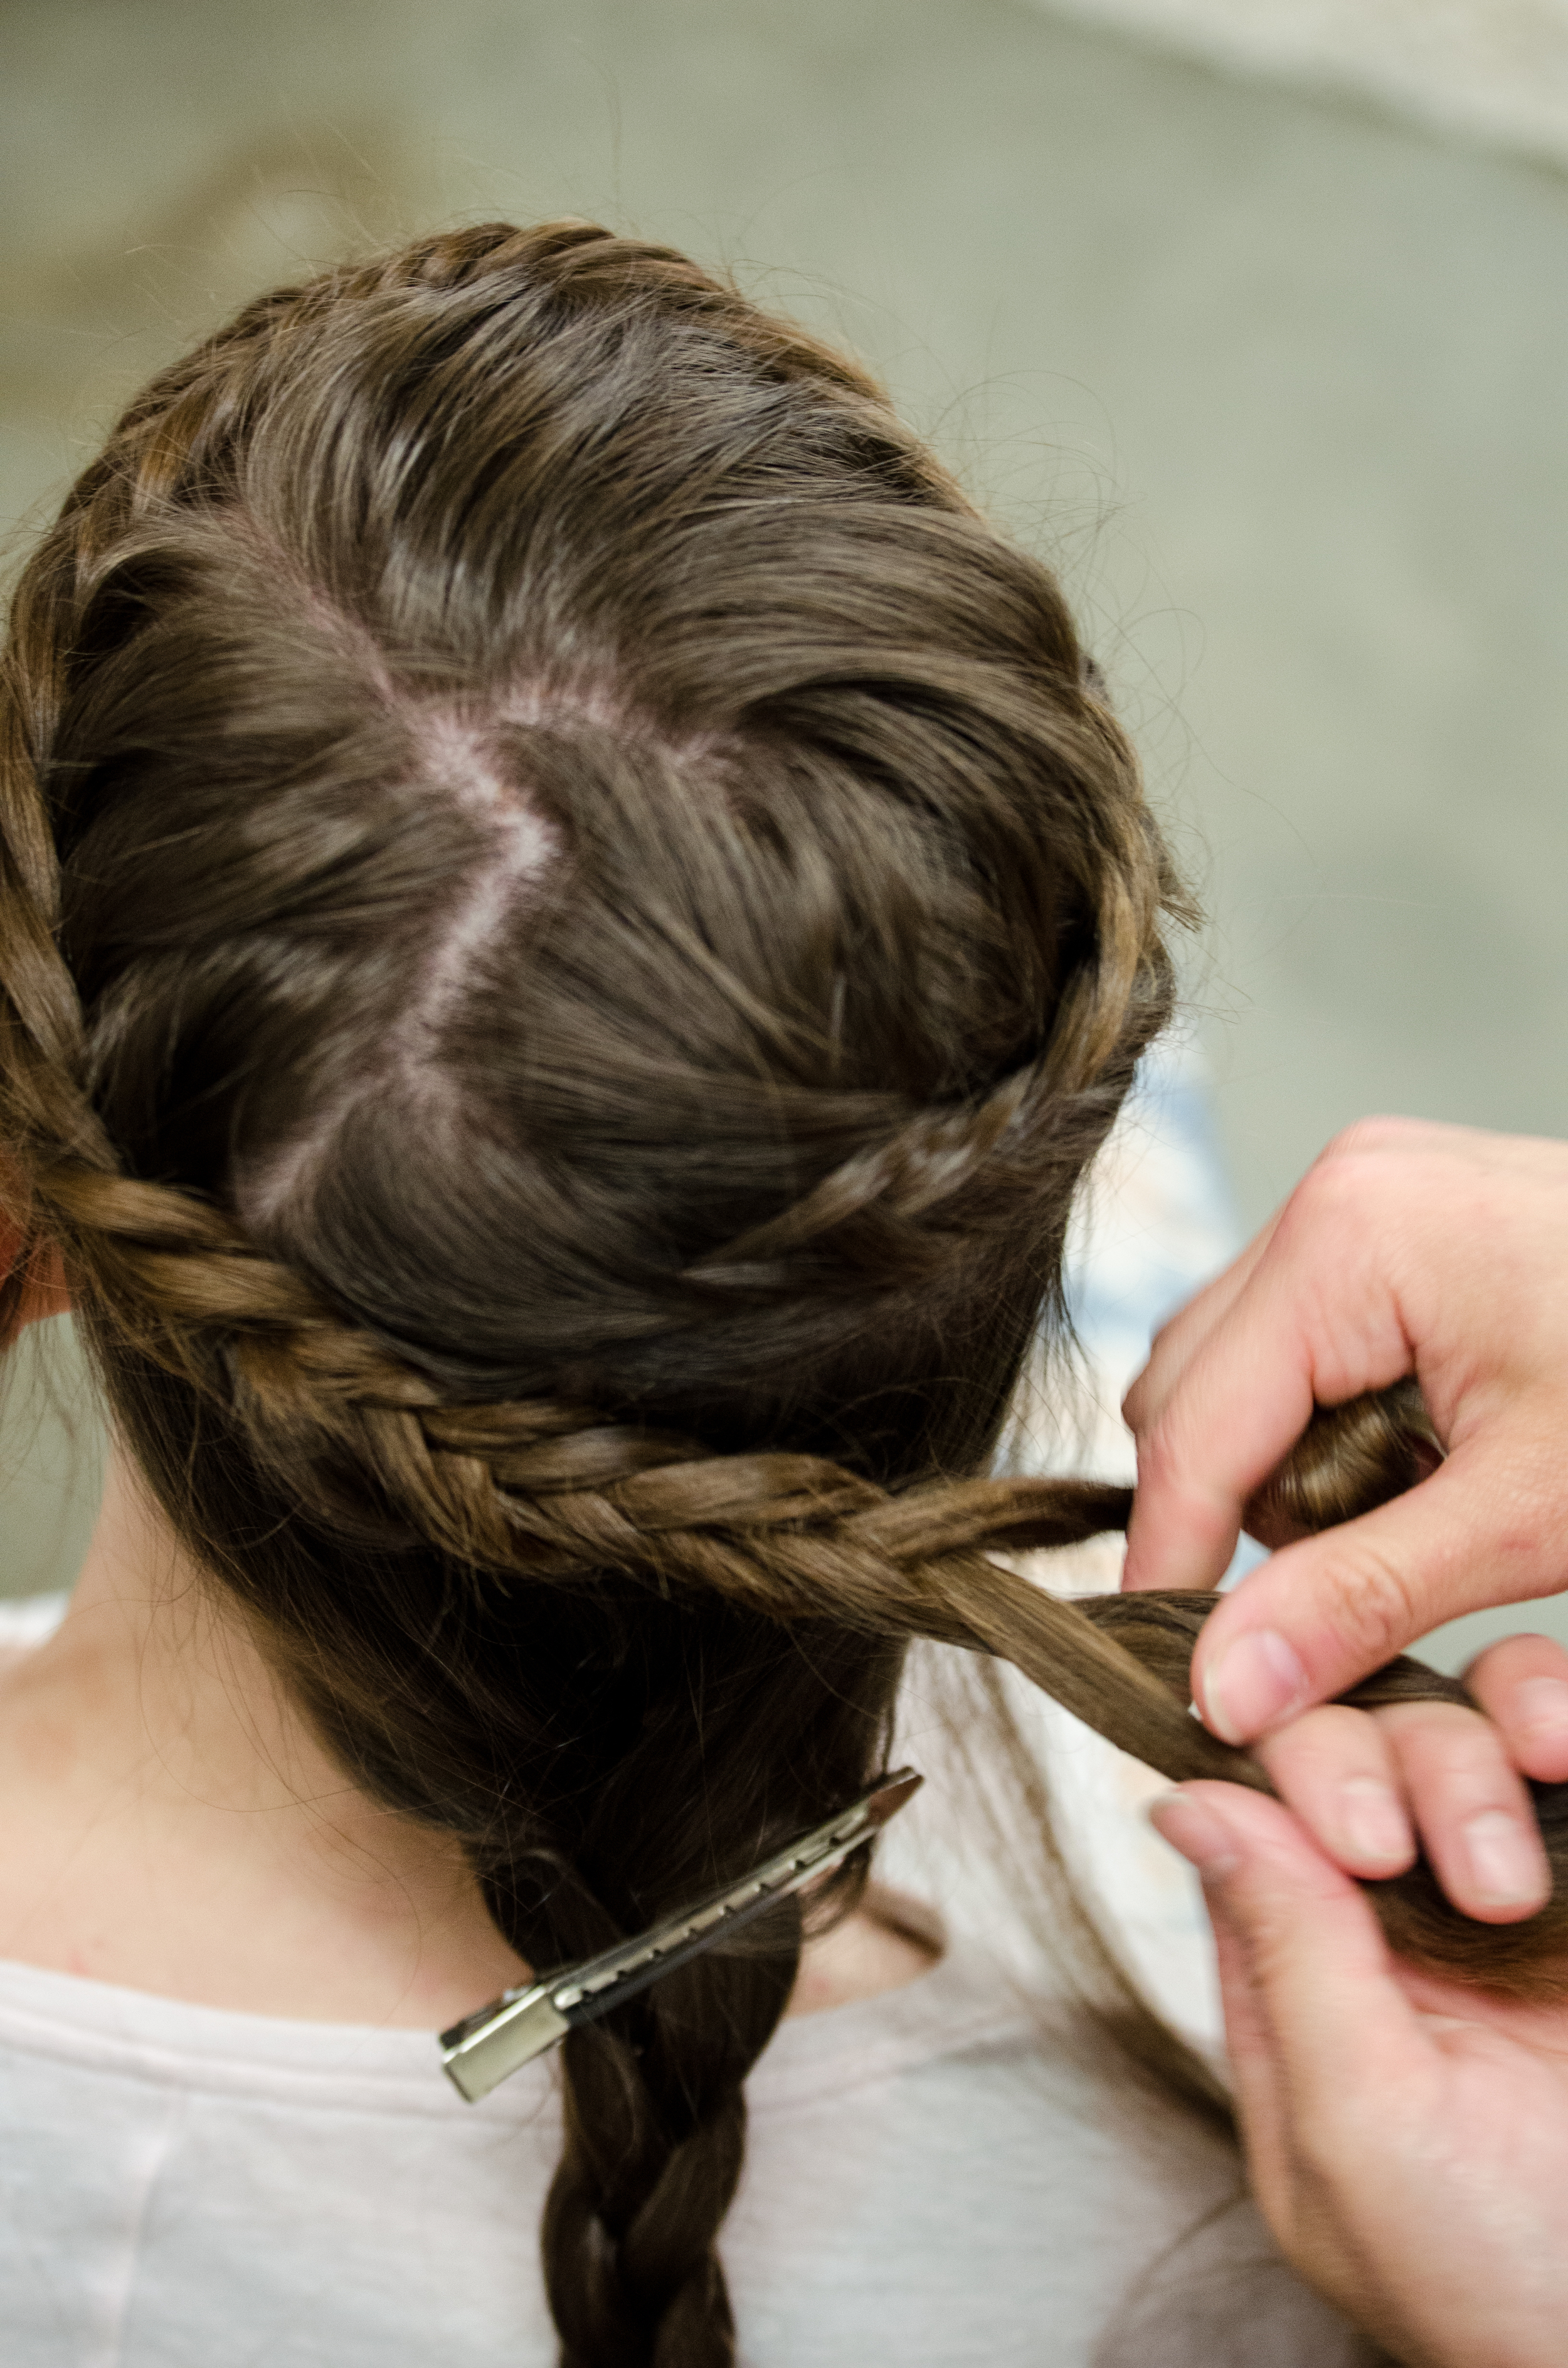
{"points": [[1495, 70]]}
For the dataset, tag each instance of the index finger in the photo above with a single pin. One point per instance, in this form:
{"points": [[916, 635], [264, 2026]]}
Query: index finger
{"points": [[1286, 1337], [1180, 1338]]}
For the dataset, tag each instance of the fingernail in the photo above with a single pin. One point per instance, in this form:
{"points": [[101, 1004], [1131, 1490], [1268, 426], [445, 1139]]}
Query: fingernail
{"points": [[1540, 1709], [1504, 1860], [1196, 1832], [1257, 1680], [1373, 1821]]}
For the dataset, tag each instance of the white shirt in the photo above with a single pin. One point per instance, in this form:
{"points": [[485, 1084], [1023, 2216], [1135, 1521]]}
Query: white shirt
{"points": [[932, 2181]]}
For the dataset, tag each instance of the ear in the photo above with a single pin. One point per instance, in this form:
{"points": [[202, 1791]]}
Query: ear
{"points": [[44, 1291]]}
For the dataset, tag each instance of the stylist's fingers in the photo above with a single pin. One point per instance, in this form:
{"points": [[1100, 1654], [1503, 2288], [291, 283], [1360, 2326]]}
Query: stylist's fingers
{"points": [[1188, 1820], [1522, 1685], [1317, 2028], [1179, 1339], [1408, 2141], [1475, 1816], [1406, 1247], [1262, 2093], [1366, 1783], [1312, 1943], [1308, 1314], [1320, 1614], [1205, 1446], [1336, 1768], [1203, 1458], [1244, 1399]]}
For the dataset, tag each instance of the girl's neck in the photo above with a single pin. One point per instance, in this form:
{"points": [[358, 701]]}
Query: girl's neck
{"points": [[169, 1821]]}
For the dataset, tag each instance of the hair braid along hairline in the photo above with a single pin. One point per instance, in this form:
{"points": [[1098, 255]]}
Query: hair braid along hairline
{"points": [[557, 1493], [560, 1493], [192, 1268], [503, 1486]]}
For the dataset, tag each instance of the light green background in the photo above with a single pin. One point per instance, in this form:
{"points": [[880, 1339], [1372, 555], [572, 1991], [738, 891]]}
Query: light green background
{"points": [[1277, 381]]}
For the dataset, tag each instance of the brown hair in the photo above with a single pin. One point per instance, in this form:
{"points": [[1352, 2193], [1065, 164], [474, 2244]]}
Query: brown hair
{"points": [[570, 923]]}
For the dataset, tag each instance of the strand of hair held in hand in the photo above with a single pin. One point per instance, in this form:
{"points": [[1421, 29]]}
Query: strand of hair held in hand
{"points": [[551, 1489], [1352, 1457]]}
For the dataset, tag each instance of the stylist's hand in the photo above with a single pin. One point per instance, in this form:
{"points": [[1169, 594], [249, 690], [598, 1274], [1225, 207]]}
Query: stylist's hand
{"points": [[1408, 2140], [1407, 1248]]}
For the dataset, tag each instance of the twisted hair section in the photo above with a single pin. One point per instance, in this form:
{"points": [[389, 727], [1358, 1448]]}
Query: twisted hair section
{"points": [[552, 1491], [571, 919]]}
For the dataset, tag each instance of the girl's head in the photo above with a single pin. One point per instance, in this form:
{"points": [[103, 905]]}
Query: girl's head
{"points": [[571, 920]]}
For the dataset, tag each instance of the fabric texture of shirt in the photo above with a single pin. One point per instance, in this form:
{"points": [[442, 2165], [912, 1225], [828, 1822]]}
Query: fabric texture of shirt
{"points": [[927, 2184], [933, 2178]]}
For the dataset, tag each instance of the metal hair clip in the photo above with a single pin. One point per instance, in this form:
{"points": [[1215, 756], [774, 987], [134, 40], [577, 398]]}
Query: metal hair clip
{"points": [[480, 2052]]}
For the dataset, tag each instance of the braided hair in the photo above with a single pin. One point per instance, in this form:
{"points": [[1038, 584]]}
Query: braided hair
{"points": [[569, 921]]}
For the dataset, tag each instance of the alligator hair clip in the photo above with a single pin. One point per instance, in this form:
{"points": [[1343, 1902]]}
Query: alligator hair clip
{"points": [[481, 2050]]}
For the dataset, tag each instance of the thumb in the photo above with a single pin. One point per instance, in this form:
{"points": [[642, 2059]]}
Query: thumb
{"points": [[1315, 2018], [1325, 1612]]}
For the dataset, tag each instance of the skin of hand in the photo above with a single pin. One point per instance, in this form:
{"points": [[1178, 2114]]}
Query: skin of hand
{"points": [[1408, 2140], [1407, 1248]]}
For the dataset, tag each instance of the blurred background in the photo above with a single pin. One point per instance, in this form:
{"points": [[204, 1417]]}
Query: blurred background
{"points": [[1248, 313]]}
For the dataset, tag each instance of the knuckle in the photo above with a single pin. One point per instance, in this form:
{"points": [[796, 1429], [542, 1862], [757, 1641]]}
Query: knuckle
{"points": [[1169, 1468], [1323, 1203], [1454, 1750], [1327, 1742], [1378, 1132], [1160, 1459], [1352, 1166], [1367, 1603], [1497, 1667], [1450, 1731], [1335, 1175]]}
